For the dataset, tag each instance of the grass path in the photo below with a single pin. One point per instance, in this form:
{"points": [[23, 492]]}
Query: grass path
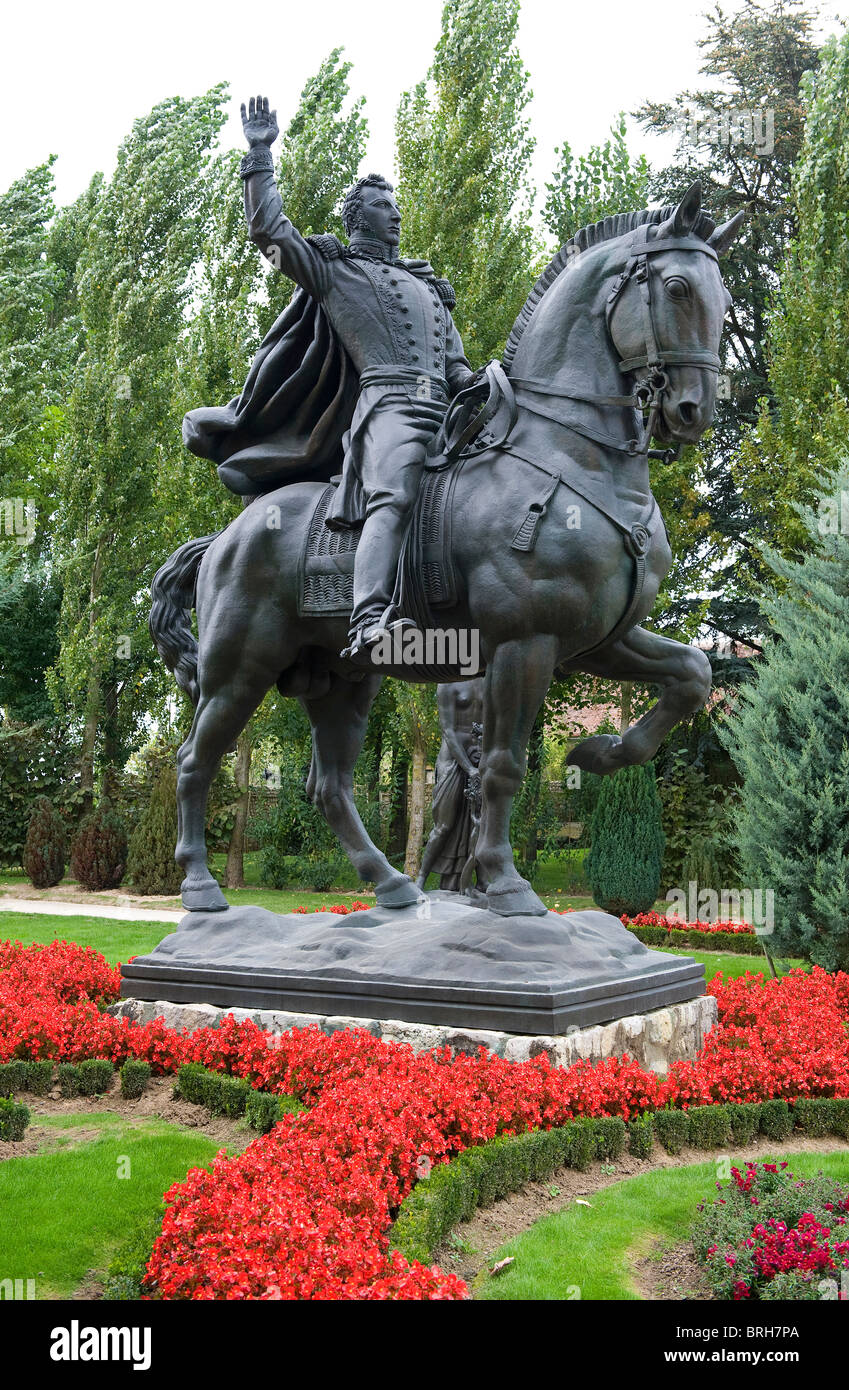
{"points": [[586, 1251], [65, 1210]]}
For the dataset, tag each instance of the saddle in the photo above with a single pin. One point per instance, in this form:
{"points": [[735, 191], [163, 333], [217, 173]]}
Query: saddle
{"points": [[479, 419]]}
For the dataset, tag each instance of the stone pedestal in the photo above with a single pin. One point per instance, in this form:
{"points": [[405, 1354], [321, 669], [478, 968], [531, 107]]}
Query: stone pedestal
{"points": [[444, 963], [655, 1040]]}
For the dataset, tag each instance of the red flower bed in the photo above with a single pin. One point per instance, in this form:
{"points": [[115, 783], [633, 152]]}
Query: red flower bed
{"points": [[304, 1212], [659, 919]]}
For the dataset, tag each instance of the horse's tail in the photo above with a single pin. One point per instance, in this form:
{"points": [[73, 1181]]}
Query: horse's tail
{"points": [[173, 593]]}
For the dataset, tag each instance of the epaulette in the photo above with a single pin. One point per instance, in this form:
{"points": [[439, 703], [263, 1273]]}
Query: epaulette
{"points": [[328, 245], [445, 290]]}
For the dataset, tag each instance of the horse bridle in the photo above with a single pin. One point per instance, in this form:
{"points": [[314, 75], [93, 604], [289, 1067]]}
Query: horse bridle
{"points": [[647, 397]]}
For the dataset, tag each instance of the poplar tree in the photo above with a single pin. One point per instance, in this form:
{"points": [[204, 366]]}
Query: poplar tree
{"points": [[463, 156], [133, 282]]}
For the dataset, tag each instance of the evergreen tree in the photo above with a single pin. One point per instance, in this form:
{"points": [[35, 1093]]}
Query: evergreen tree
{"points": [[99, 849], [788, 736], [463, 154], [151, 866], [45, 847], [624, 863]]}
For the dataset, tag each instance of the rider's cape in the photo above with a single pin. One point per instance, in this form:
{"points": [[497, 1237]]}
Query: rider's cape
{"points": [[297, 403], [290, 423]]}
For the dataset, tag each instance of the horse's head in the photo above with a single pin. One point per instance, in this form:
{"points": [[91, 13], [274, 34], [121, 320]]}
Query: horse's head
{"points": [[665, 315]]}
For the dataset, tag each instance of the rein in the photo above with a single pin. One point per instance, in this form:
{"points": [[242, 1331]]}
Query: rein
{"points": [[648, 396]]}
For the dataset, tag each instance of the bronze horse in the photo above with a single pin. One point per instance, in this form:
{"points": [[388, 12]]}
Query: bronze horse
{"points": [[637, 298]]}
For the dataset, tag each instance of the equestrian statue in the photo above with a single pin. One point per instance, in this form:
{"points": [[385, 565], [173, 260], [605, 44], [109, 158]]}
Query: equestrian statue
{"points": [[387, 483]]}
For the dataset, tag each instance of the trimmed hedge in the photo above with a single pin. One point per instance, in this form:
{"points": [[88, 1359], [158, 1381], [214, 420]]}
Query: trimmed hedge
{"points": [[95, 1076], [452, 1192], [230, 1095], [13, 1077], [14, 1119], [479, 1176], [740, 943], [135, 1075], [36, 1077]]}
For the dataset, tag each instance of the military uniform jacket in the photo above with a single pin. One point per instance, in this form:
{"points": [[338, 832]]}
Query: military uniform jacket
{"points": [[385, 313]]}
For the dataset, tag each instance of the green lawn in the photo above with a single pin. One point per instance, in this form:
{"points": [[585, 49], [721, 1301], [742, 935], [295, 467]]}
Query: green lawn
{"points": [[64, 1212], [118, 941], [583, 1251]]}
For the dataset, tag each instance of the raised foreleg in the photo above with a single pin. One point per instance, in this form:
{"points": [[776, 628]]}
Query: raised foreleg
{"points": [[685, 677]]}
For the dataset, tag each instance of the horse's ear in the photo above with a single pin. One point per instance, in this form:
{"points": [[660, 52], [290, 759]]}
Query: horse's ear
{"points": [[686, 215], [722, 238]]}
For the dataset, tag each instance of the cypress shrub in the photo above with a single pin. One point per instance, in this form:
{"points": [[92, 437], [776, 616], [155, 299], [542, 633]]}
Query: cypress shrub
{"points": [[626, 855], [99, 851], [787, 735], [152, 867], [46, 846]]}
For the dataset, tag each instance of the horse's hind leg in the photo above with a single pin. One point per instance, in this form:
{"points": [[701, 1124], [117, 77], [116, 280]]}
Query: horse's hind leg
{"points": [[219, 719], [683, 673], [339, 721]]}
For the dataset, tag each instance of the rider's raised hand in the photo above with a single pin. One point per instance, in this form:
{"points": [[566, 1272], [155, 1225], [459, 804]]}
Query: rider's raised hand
{"points": [[258, 123]]}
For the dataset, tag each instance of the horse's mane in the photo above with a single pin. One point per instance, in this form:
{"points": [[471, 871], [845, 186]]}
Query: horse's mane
{"points": [[608, 229]]}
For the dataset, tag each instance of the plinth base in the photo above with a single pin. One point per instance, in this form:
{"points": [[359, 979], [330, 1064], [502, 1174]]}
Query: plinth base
{"points": [[443, 962]]}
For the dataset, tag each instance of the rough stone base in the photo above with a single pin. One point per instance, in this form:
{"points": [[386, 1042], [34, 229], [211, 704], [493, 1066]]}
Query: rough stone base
{"points": [[655, 1039]]}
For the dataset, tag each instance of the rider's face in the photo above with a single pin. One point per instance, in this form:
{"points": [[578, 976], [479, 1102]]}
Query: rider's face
{"points": [[380, 216]]}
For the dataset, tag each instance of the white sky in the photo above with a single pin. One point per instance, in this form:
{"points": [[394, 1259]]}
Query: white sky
{"points": [[78, 72]]}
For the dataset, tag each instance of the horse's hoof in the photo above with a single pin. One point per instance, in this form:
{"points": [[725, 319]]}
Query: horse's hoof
{"points": [[515, 898], [601, 754], [203, 897], [398, 892]]}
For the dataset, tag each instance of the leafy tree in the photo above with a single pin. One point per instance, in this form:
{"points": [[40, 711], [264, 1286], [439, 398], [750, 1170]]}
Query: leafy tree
{"points": [[603, 181], [133, 281], [754, 59], [788, 736], [320, 153], [800, 439], [35, 760], [463, 155], [29, 613], [624, 863], [46, 846]]}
